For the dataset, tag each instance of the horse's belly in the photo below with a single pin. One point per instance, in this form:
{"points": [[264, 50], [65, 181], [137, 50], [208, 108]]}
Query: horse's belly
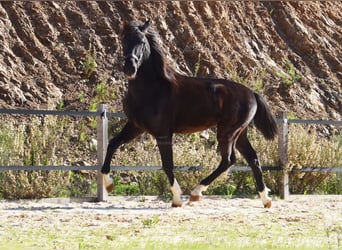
{"points": [[194, 126]]}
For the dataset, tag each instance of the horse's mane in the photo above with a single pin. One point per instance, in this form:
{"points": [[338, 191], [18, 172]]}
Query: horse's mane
{"points": [[158, 55]]}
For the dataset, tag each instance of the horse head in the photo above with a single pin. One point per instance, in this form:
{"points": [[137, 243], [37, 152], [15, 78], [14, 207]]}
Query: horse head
{"points": [[136, 47]]}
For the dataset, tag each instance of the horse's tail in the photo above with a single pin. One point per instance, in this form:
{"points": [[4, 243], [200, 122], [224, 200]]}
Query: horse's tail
{"points": [[264, 120]]}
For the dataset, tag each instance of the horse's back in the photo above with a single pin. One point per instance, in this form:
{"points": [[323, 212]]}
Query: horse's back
{"points": [[203, 102]]}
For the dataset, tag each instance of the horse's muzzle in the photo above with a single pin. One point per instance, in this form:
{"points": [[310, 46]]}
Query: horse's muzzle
{"points": [[129, 70], [131, 66]]}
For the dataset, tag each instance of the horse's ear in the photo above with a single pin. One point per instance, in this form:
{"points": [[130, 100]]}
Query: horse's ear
{"points": [[145, 26]]}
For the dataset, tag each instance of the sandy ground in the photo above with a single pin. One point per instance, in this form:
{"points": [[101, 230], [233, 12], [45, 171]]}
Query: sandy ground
{"points": [[126, 209], [311, 221]]}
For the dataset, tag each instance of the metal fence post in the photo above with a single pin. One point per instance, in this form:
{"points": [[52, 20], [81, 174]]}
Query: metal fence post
{"points": [[283, 161], [102, 143]]}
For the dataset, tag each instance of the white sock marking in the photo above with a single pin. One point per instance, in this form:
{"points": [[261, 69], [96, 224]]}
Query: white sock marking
{"points": [[264, 196], [107, 181], [198, 190], [176, 193]]}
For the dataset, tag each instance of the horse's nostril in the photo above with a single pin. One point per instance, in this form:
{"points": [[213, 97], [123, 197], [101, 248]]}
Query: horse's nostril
{"points": [[129, 68], [131, 65], [133, 60]]}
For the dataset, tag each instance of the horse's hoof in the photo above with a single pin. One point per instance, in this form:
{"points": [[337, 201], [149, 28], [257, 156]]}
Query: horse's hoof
{"points": [[108, 183], [110, 188], [195, 198], [268, 204], [174, 204]]}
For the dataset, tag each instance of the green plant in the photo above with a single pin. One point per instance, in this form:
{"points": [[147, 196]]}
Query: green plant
{"points": [[197, 65], [259, 81], [93, 106], [291, 116], [333, 184], [103, 94], [149, 222], [89, 62], [60, 105], [291, 76], [101, 89], [125, 188], [224, 189], [81, 97], [254, 80], [237, 183]]}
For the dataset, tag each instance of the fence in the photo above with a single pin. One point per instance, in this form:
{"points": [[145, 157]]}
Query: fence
{"points": [[102, 141]]}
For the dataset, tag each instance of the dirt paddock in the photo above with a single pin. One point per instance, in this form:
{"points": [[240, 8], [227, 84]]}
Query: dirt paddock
{"points": [[301, 222], [125, 209]]}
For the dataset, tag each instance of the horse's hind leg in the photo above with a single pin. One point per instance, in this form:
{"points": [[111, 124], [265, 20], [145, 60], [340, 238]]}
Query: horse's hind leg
{"points": [[226, 147], [128, 133], [247, 151]]}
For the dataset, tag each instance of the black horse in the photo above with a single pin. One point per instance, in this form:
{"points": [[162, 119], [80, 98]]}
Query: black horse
{"points": [[161, 102]]}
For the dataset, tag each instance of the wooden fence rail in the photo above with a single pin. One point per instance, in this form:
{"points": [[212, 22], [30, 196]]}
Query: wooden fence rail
{"points": [[102, 141]]}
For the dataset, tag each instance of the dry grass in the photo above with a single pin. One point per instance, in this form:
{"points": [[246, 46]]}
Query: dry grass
{"points": [[65, 141]]}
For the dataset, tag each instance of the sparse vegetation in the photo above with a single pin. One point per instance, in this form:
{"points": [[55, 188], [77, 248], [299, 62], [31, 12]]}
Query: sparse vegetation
{"points": [[291, 76], [197, 66], [150, 221], [307, 149], [89, 62], [40, 142], [62, 141], [103, 93], [254, 80]]}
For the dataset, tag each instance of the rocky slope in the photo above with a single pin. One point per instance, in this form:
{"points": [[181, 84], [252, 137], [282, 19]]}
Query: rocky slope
{"points": [[291, 52]]}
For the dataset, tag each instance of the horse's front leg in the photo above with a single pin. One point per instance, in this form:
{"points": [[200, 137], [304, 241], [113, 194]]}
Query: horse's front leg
{"points": [[165, 148], [128, 132]]}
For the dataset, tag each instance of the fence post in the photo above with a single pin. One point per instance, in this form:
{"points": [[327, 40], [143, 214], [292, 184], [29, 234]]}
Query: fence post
{"points": [[283, 181], [102, 143]]}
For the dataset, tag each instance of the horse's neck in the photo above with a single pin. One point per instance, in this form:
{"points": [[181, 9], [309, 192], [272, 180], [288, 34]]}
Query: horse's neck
{"points": [[151, 71], [151, 76], [146, 83]]}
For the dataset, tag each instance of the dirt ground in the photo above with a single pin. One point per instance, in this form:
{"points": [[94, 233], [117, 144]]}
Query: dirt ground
{"points": [[128, 209], [301, 222]]}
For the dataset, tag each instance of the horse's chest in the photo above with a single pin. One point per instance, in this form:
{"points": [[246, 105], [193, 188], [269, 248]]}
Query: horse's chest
{"points": [[146, 113]]}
